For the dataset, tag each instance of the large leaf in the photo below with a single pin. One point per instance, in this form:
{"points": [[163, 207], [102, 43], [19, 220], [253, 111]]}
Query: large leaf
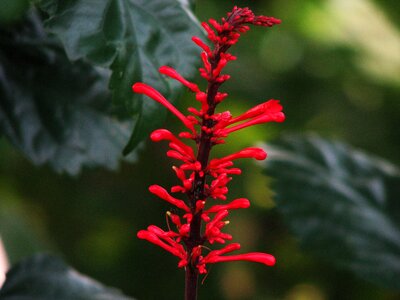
{"points": [[55, 111], [341, 203], [133, 38], [43, 277]]}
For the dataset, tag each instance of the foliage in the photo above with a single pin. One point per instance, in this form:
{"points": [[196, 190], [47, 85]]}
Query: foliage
{"points": [[333, 69], [132, 38], [44, 277], [59, 112], [55, 111], [341, 203]]}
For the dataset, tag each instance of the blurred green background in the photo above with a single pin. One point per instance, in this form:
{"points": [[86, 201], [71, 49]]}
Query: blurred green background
{"points": [[335, 66]]}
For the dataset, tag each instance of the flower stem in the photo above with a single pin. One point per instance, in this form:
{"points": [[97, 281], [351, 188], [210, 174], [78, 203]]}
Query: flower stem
{"points": [[197, 193], [191, 282]]}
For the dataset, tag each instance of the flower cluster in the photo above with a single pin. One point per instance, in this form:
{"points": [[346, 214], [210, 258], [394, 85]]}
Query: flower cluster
{"points": [[201, 178]]}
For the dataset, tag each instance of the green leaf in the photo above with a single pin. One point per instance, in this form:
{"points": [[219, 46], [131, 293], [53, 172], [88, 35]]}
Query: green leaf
{"points": [[133, 38], [43, 277], [341, 203], [55, 111]]}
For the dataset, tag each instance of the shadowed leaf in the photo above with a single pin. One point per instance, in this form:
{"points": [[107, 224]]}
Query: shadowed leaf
{"points": [[341, 203], [43, 277], [133, 38], [55, 111]]}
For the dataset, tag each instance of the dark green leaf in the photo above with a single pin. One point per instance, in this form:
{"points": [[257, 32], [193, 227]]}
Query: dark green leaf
{"points": [[55, 111], [341, 203], [43, 277], [133, 38]]}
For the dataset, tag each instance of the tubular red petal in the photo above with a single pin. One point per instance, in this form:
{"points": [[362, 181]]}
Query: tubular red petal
{"points": [[221, 64], [179, 173], [218, 217], [153, 238], [277, 117], [207, 65], [161, 134], [164, 134], [226, 249], [251, 152], [141, 88], [163, 194], [235, 204], [201, 44], [211, 34], [271, 106], [263, 258], [175, 75], [176, 155], [220, 97]]}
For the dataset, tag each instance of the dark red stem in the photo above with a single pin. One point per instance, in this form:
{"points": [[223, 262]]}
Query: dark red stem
{"points": [[197, 193]]}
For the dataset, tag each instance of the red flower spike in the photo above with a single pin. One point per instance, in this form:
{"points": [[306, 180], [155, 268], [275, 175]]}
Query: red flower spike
{"points": [[201, 179], [141, 88]]}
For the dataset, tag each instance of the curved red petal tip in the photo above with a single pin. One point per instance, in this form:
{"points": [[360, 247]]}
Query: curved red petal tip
{"points": [[280, 117], [145, 235], [264, 258], [160, 134], [273, 259], [256, 153], [275, 20], [140, 234], [139, 87], [240, 203], [199, 42], [158, 190], [261, 155]]}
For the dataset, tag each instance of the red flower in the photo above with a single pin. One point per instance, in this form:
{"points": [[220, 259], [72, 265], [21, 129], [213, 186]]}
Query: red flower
{"points": [[201, 178]]}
